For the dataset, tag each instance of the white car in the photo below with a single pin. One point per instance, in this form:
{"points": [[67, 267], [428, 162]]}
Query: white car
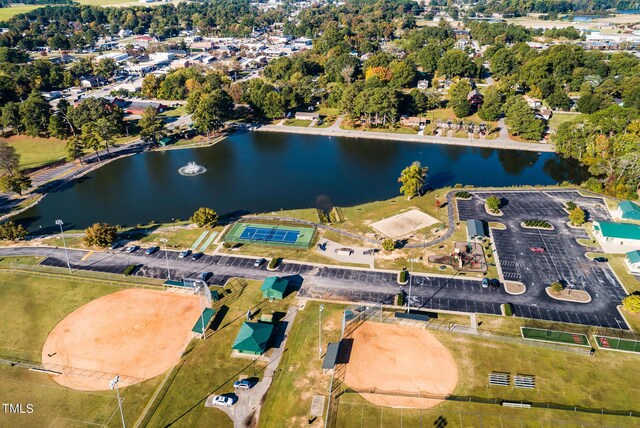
{"points": [[221, 400]]}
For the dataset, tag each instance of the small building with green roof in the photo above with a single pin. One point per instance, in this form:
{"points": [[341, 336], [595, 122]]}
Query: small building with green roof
{"points": [[627, 210], [253, 338], [617, 233], [632, 260], [274, 288]]}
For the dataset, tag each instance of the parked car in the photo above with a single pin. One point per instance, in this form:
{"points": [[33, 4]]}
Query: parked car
{"points": [[494, 283], [537, 249], [485, 282], [115, 245], [600, 259], [196, 256], [151, 250], [203, 276], [259, 262], [242, 384], [131, 249], [221, 400], [184, 254]]}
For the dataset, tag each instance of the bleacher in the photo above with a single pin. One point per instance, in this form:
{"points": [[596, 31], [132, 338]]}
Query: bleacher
{"points": [[499, 379], [524, 381]]}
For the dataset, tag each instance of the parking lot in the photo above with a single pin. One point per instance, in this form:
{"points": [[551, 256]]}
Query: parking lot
{"points": [[563, 258]]}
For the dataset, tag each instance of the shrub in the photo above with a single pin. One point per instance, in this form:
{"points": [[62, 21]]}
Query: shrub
{"points": [[402, 276], [399, 299], [557, 287], [538, 223], [100, 235], [577, 216], [274, 263], [129, 270], [205, 217], [632, 303], [570, 205], [458, 186], [494, 203], [508, 309], [463, 195], [388, 244]]}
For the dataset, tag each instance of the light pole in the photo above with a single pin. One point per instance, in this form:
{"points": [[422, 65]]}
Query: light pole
{"points": [[410, 281], [64, 243], [320, 309], [166, 256], [114, 385]]}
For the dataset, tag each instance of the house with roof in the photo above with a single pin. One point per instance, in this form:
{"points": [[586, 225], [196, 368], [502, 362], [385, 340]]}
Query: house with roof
{"points": [[632, 260], [475, 98], [534, 103], [627, 210], [613, 235], [274, 288], [253, 338]]}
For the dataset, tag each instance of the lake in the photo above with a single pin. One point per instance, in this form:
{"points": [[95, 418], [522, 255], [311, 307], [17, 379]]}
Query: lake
{"points": [[260, 172]]}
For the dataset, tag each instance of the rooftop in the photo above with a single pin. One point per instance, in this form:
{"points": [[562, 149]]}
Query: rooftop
{"points": [[610, 229]]}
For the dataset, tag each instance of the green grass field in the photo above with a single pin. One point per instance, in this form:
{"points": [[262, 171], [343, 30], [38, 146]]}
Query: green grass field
{"points": [[559, 118], [35, 152], [208, 367], [555, 336], [300, 376], [605, 342], [31, 307], [583, 382], [9, 12]]}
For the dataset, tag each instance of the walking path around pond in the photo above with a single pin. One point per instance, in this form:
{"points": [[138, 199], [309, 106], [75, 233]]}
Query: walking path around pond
{"points": [[502, 142]]}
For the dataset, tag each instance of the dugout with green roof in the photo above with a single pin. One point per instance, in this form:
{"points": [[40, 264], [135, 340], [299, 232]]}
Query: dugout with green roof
{"points": [[203, 321], [274, 288], [298, 237], [253, 338]]}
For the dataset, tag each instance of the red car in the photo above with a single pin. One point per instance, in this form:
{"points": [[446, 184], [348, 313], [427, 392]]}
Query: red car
{"points": [[537, 249]]}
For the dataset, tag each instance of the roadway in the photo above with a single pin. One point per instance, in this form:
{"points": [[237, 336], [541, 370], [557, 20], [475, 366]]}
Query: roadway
{"points": [[355, 285]]}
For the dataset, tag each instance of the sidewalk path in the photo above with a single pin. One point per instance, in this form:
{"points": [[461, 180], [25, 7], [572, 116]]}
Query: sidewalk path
{"points": [[502, 142]]}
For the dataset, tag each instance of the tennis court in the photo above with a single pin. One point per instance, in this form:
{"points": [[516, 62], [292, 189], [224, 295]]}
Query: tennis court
{"points": [[617, 344], [555, 336], [267, 234], [270, 234]]}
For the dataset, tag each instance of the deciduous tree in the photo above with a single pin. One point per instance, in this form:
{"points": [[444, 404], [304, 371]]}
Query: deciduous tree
{"points": [[413, 179], [205, 217]]}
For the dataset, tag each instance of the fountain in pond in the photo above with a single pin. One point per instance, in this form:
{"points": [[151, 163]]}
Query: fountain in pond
{"points": [[191, 168]]}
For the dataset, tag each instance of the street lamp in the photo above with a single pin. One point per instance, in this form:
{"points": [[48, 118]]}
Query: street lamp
{"points": [[114, 385], [64, 243], [410, 281], [166, 256], [320, 309]]}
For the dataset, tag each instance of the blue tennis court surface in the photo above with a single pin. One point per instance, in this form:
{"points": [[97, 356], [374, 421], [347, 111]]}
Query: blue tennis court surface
{"points": [[270, 235]]}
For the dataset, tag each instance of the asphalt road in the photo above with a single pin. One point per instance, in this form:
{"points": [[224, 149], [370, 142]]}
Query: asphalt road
{"points": [[338, 283]]}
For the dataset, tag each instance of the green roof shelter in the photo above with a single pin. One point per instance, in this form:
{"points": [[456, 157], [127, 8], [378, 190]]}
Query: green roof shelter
{"points": [[623, 233], [628, 210], [274, 288], [253, 338]]}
